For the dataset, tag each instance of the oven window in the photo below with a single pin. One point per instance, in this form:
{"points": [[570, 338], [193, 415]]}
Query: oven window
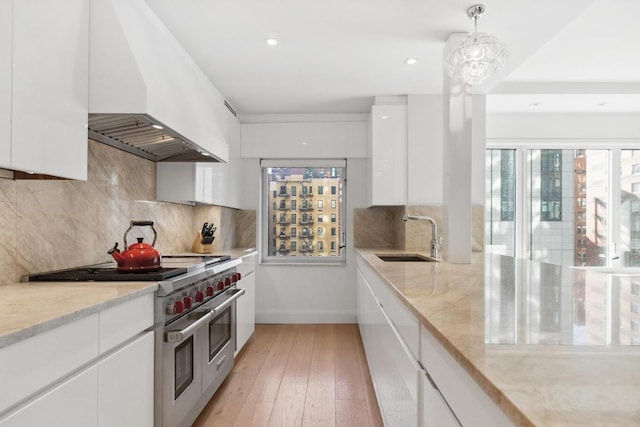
{"points": [[219, 332], [184, 366]]}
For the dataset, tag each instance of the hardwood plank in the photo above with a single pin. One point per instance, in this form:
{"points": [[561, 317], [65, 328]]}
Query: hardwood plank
{"points": [[253, 355], [288, 409], [270, 376], [224, 407], [375, 417], [351, 413], [257, 416], [319, 410], [348, 379]]}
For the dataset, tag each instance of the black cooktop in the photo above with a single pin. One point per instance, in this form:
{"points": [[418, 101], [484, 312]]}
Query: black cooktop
{"points": [[101, 274]]}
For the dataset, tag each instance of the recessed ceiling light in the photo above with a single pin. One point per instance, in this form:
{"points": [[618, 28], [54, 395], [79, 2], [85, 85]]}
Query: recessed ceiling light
{"points": [[271, 42], [411, 61], [534, 104], [601, 104], [384, 117], [204, 153], [157, 126]]}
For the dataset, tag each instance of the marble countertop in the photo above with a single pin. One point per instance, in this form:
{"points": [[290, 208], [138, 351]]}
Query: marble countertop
{"points": [[551, 345], [31, 308]]}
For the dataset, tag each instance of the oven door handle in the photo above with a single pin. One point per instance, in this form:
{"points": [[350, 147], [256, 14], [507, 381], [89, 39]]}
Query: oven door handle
{"points": [[236, 293], [179, 335]]}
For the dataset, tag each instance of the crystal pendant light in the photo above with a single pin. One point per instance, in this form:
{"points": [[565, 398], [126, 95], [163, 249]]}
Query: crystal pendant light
{"points": [[478, 56]]}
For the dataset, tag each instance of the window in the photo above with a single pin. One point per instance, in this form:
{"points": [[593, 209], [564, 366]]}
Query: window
{"points": [[635, 168], [550, 185], [564, 195], [635, 187], [305, 180]]}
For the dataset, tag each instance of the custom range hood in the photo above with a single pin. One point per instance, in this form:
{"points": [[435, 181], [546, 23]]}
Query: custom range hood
{"points": [[146, 94]]}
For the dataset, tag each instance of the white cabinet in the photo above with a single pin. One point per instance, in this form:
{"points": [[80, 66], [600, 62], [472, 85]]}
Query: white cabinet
{"points": [[73, 403], [125, 385], [97, 370], [435, 409], [388, 155], [6, 46], [209, 183], [394, 370], [468, 401], [246, 304], [49, 87]]}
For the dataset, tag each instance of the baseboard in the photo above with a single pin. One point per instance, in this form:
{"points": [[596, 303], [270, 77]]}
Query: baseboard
{"points": [[305, 316]]}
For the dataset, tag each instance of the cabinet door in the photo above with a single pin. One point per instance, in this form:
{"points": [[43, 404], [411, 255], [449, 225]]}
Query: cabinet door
{"points": [[388, 155], [435, 410], [74, 403], [125, 385], [394, 370], [50, 87], [6, 37], [246, 310]]}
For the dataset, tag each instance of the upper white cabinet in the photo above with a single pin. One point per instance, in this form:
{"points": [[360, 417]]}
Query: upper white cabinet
{"points": [[6, 46], [210, 183], [47, 115], [388, 155]]}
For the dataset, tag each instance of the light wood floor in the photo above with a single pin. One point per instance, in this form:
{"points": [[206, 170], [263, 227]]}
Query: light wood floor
{"points": [[297, 375]]}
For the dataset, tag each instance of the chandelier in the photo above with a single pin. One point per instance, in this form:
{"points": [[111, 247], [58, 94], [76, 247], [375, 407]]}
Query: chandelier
{"points": [[478, 56]]}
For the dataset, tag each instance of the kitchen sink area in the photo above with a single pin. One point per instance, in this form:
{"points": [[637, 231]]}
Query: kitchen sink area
{"points": [[405, 257]]}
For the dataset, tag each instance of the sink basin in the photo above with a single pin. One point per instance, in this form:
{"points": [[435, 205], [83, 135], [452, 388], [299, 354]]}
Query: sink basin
{"points": [[405, 258]]}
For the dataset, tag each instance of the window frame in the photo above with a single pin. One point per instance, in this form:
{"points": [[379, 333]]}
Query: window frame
{"points": [[523, 145], [314, 258]]}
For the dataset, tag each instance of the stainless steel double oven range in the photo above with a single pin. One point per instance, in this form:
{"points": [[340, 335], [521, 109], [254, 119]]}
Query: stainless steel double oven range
{"points": [[195, 325]]}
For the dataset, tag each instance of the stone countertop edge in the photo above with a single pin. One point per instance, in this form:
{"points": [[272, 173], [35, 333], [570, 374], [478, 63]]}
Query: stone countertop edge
{"points": [[494, 392], [47, 325]]}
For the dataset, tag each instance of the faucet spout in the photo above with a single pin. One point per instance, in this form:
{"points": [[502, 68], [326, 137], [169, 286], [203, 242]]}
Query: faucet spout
{"points": [[435, 242]]}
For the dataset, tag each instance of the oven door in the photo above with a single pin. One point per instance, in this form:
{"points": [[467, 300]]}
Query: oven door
{"points": [[220, 340], [182, 365]]}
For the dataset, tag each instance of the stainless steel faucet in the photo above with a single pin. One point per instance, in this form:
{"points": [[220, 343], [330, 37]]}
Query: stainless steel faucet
{"points": [[435, 243]]}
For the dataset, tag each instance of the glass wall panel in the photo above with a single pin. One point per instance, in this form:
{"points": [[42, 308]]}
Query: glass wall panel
{"points": [[500, 203], [568, 197]]}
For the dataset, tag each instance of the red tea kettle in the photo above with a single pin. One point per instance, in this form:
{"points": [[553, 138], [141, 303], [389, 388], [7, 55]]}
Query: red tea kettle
{"points": [[139, 257]]}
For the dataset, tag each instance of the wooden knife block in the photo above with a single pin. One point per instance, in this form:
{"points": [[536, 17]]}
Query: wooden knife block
{"points": [[199, 247]]}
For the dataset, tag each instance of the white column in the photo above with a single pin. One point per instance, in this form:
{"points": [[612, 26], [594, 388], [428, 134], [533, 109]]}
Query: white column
{"points": [[463, 162]]}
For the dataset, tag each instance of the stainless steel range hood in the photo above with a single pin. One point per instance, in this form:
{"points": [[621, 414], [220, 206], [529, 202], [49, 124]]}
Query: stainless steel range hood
{"points": [[146, 94]]}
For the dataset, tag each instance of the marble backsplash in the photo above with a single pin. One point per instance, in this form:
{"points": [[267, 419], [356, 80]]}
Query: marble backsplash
{"points": [[49, 225], [383, 227]]}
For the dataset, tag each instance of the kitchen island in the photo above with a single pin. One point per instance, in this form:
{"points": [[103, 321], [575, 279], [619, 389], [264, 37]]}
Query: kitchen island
{"points": [[550, 345]]}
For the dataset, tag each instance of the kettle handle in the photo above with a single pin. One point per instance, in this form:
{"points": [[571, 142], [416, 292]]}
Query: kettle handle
{"points": [[140, 224]]}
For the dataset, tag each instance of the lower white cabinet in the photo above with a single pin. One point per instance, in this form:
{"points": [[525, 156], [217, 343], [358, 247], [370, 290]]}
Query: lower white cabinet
{"points": [[427, 387], [94, 371], [394, 371], [246, 304], [125, 385], [73, 403]]}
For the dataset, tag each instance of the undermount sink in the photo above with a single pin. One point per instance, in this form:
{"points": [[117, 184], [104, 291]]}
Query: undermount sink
{"points": [[405, 258]]}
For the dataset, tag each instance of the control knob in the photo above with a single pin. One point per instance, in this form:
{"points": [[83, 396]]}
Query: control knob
{"points": [[199, 296]]}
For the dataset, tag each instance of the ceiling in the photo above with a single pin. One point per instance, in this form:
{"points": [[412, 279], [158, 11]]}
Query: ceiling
{"points": [[334, 56]]}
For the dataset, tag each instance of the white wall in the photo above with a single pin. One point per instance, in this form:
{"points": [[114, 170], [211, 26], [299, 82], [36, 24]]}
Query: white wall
{"points": [[306, 294], [563, 125]]}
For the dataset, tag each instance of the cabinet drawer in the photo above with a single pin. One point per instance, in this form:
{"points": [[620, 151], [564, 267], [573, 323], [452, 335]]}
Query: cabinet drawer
{"points": [[468, 401], [404, 320], [248, 265], [28, 366], [124, 321]]}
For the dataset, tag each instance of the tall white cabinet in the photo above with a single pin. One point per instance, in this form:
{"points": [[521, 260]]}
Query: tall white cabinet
{"points": [[44, 69], [246, 305]]}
